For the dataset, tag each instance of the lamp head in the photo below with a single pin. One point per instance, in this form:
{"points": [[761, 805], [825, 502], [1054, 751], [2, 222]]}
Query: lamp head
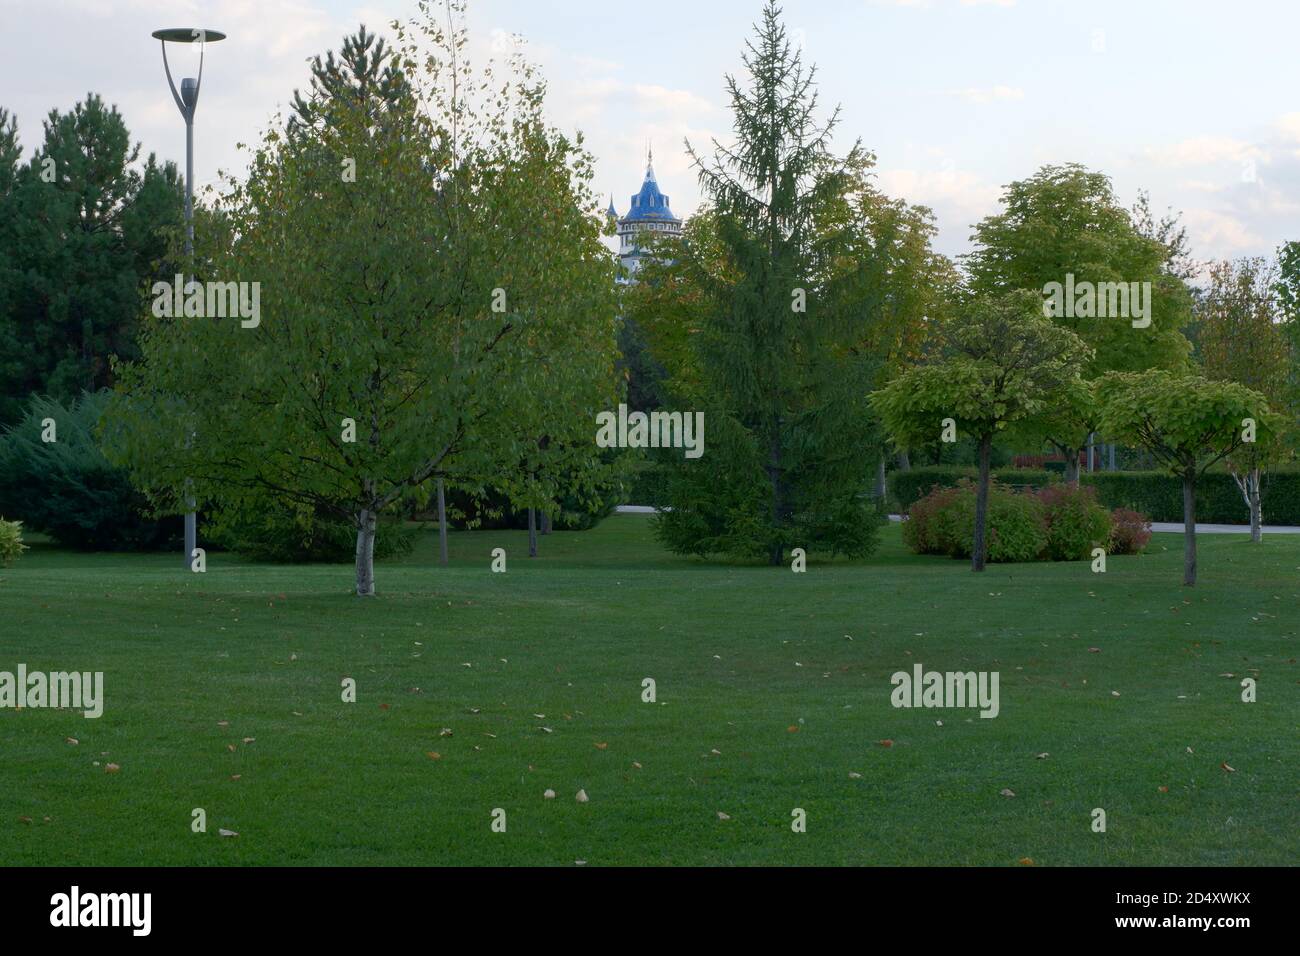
{"points": [[188, 35]]}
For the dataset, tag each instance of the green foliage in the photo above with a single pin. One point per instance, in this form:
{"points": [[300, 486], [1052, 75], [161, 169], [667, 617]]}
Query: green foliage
{"points": [[11, 542], [1154, 493], [1187, 422], [759, 316], [921, 529], [1130, 531], [67, 489], [1066, 219], [283, 534], [76, 252], [1003, 364], [1016, 531], [1076, 523], [379, 304]]}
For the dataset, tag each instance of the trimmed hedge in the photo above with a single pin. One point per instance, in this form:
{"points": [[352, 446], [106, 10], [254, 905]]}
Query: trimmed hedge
{"points": [[1151, 492]]}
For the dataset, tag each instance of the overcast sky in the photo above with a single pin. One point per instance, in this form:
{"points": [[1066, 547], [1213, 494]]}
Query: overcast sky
{"points": [[1196, 101]]}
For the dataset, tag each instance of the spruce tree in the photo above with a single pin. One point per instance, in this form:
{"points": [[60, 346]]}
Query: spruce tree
{"points": [[777, 294]]}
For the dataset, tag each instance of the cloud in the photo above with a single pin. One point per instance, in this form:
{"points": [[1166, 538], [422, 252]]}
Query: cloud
{"points": [[1205, 151], [958, 198], [988, 94]]}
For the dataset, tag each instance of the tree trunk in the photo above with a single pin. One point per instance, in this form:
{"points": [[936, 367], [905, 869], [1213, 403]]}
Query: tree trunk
{"points": [[1092, 452], [1189, 528], [366, 553], [442, 525], [880, 478], [532, 532], [978, 548], [1072, 467], [546, 522], [777, 551], [1256, 516], [904, 462]]}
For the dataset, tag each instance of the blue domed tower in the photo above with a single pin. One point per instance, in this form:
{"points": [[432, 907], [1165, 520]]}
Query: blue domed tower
{"points": [[651, 213]]}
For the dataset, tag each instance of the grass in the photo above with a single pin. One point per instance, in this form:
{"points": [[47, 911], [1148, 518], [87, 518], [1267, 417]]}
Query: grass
{"points": [[751, 662]]}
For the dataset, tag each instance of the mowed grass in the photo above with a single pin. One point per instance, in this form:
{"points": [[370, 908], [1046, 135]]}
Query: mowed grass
{"points": [[773, 688]]}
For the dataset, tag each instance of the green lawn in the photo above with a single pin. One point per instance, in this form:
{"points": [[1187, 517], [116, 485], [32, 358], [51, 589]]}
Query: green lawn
{"points": [[742, 655]]}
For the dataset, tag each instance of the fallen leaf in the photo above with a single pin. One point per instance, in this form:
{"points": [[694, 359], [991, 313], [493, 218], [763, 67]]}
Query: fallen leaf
{"points": [[635, 764], [1114, 693], [1043, 756], [1225, 766], [792, 729], [723, 816], [383, 706], [885, 743], [1026, 861], [235, 776], [1007, 792], [24, 819], [230, 747], [549, 795], [445, 732], [228, 833], [114, 768], [433, 755], [1163, 789], [223, 723], [581, 796], [73, 740], [1094, 650], [249, 740], [854, 775], [602, 746]]}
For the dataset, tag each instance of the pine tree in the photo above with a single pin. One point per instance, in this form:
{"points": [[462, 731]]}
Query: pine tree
{"points": [[772, 279]]}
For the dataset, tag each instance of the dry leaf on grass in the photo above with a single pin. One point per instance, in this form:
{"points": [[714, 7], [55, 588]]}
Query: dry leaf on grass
{"points": [[1007, 792], [723, 816], [549, 794], [581, 796], [111, 768], [228, 833]]}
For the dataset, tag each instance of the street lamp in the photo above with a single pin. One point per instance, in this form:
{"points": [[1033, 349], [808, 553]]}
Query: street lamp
{"points": [[187, 101]]}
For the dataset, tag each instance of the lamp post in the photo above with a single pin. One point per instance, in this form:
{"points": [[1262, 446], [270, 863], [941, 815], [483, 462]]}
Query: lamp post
{"points": [[187, 101]]}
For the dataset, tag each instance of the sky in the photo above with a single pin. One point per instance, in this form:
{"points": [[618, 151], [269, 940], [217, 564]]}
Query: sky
{"points": [[1195, 101]]}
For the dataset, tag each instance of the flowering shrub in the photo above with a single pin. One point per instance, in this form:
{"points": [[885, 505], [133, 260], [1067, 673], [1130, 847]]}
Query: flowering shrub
{"points": [[1130, 531], [1016, 528], [1076, 523]]}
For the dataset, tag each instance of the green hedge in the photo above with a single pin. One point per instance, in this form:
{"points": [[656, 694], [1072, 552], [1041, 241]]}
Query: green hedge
{"points": [[1156, 494]]}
